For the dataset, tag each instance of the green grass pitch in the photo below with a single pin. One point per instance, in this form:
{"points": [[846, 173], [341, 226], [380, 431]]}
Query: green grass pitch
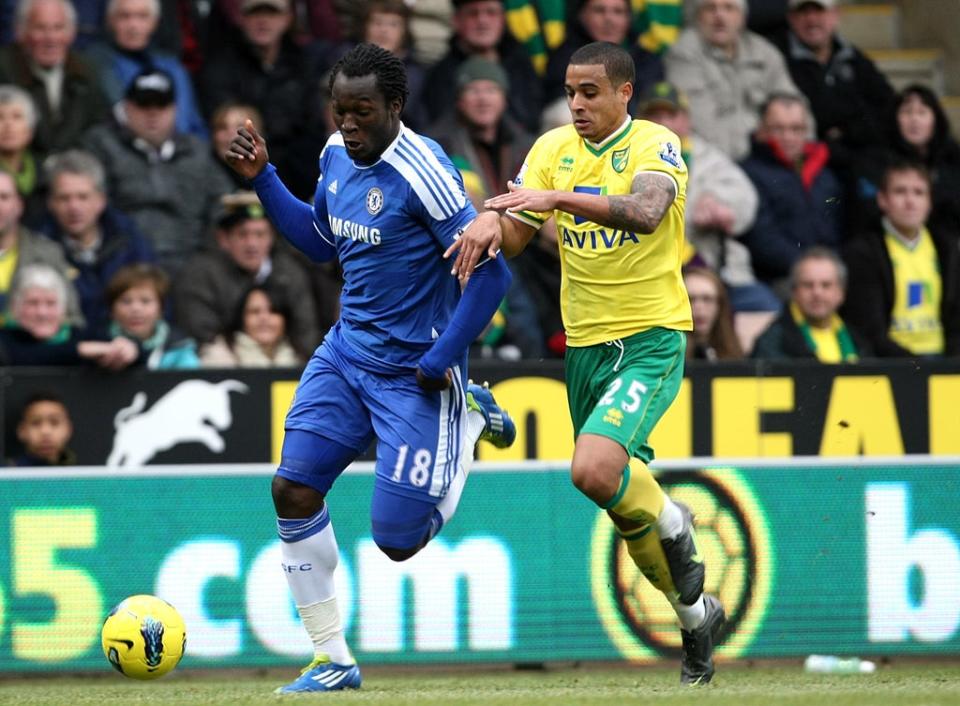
{"points": [[903, 684]]}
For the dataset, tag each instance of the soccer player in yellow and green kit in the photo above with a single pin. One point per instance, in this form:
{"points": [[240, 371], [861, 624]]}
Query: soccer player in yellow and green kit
{"points": [[616, 187]]}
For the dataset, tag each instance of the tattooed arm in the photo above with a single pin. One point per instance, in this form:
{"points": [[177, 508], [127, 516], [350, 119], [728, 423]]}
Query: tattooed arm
{"points": [[640, 211], [645, 206]]}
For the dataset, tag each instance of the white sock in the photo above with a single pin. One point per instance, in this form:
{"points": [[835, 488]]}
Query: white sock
{"points": [[474, 428], [670, 522], [309, 565], [691, 616]]}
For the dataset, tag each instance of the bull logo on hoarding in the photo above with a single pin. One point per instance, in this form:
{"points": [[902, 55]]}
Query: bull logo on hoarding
{"points": [[193, 411], [732, 535]]}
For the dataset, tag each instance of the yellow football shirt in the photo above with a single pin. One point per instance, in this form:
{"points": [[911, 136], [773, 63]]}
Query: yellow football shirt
{"points": [[915, 319], [614, 283], [8, 264]]}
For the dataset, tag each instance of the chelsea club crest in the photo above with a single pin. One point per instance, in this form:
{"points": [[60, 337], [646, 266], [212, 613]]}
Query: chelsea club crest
{"points": [[374, 201]]}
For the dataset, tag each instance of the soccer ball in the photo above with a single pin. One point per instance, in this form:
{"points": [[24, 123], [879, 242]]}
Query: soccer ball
{"points": [[144, 637]]}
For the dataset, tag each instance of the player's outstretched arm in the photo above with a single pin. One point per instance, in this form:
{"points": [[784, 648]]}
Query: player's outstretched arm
{"points": [[489, 234], [247, 155], [476, 307], [640, 211]]}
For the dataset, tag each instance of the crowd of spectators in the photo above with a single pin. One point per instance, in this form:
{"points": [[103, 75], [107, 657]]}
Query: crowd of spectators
{"points": [[821, 202]]}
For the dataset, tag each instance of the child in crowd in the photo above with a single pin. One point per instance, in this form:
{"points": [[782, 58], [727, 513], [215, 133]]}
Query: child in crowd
{"points": [[135, 296], [45, 430]]}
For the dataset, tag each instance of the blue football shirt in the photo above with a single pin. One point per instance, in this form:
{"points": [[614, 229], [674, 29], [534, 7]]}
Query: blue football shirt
{"points": [[390, 223]]}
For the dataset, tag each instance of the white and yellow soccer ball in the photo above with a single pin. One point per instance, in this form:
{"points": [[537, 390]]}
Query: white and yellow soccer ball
{"points": [[144, 637]]}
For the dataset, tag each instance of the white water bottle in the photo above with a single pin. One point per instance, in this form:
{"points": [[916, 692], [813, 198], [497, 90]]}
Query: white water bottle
{"points": [[831, 664]]}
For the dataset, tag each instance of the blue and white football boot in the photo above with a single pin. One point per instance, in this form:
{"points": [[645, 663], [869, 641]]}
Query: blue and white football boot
{"points": [[323, 675], [499, 428]]}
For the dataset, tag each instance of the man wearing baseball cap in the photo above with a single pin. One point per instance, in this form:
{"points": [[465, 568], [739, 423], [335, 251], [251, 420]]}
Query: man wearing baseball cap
{"points": [[151, 87], [211, 284], [849, 97], [162, 178]]}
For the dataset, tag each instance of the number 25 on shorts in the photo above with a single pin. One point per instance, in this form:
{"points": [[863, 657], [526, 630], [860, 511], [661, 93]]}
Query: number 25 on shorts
{"points": [[629, 400]]}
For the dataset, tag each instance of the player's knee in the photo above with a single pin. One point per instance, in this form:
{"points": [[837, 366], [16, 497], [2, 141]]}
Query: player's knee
{"points": [[292, 499], [593, 479], [396, 554]]}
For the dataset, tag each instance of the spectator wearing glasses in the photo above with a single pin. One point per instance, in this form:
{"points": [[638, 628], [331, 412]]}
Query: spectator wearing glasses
{"points": [[800, 196]]}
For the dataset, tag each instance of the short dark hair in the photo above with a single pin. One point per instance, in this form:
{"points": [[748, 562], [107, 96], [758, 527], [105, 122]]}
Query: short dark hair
{"points": [[133, 275], [787, 98], [900, 165], [42, 396], [365, 59], [387, 7], [820, 252], [615, 60]]}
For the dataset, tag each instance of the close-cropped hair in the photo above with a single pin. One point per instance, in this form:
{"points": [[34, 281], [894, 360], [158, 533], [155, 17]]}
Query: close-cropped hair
{"points": [[820, 252], [25, 7], [615, 60], [788, 98], [14, 95], [694, 7], [154, 7], [42, 396], [899, 166], [39, 276], [220, 114], [791, 99], [76, 162]]}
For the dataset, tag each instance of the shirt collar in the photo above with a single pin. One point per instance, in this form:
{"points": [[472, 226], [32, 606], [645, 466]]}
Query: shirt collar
{"points": [[908, 243], [388, 150], [86, 255], [612, 136]]}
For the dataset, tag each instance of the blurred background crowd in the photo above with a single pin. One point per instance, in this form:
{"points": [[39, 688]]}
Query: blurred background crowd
{"points": [[823, 208]]}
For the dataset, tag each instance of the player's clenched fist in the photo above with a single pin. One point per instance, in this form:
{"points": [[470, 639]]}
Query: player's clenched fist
{"points": [[247, 153], [434, 384]]}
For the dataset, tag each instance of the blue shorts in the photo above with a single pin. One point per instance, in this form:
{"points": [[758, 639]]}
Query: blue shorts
{"points": [[420, 435]]}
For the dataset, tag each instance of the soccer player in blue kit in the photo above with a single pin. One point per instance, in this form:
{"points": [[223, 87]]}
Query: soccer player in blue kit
{"points": [[388, 204]]}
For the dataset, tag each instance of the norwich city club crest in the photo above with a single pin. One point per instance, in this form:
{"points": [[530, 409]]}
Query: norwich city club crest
{"points": [[733, 537], [619, 159]]}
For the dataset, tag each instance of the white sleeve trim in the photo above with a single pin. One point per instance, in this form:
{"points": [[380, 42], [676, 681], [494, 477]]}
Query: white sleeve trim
{"points": [[676, 184], [320, 232]]}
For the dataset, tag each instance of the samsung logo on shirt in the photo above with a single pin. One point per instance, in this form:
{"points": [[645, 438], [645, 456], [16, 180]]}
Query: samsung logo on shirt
{"points": [[355, 231]]}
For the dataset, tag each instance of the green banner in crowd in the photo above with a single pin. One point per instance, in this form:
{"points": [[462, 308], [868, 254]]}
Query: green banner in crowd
{"points": [[861, 559]]}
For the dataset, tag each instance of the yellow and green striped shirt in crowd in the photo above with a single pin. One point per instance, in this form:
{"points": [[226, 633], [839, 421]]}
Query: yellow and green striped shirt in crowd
{"points": [[541, 25], [524, 25]]}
